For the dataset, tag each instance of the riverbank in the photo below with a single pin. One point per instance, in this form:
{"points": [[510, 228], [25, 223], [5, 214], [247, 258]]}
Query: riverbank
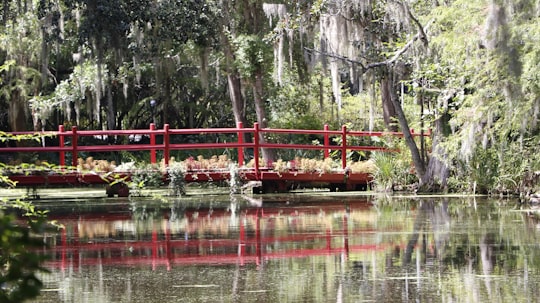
{"points": [[96, 192], [196, 191]]}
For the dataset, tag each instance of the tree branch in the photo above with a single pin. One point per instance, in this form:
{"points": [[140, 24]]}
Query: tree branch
{"points": [[343, 58], [421, 31], [420, 35]]}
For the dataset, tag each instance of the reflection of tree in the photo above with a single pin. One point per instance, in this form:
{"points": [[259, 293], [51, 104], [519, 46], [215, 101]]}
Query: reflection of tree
{"points": [[413, 250], [474, 250], [486, 246], [419, 226], [431, 214]]}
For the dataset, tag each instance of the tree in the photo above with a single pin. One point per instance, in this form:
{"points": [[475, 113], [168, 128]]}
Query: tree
{"points": [[482, 101], [375, 26], [21, 77], [247, 59]]}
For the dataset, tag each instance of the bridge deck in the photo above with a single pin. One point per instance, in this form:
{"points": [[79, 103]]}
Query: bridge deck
{"points": [[270, 181]]}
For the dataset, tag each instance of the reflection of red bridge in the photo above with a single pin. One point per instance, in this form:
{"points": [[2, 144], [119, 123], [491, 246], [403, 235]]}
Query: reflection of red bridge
{"points": [[161, 141], [257, 234]]}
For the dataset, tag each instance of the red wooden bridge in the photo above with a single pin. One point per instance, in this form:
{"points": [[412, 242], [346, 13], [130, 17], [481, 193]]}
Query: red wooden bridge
{"points": [[161, 142]]}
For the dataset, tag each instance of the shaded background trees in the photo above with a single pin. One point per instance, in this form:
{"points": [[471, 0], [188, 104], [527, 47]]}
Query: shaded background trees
{"points": [[466, 70]]}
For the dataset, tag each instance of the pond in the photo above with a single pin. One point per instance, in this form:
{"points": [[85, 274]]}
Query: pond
{"points": [[304, 247]]}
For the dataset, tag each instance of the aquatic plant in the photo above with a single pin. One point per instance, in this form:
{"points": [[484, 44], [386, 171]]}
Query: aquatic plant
{"points": [[177, 183], [6, 181], [146, 175], [117, 184], [235, 183]]}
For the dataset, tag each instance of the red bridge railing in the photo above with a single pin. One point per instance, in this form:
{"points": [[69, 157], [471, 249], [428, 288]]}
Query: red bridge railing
{"points": [[166, 146]]}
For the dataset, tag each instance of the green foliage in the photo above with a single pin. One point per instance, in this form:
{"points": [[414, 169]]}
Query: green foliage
{"points": [[38, 137], [145, 176], [484, 74], [297, 103], [5, 180], [485, 169], [385, 174], [252, 55], [195, 18], [75, 90], [20, 40], [479, 66], [5, 67], [177, 184], [102, 22], [115, 178], [394, 169], [19, 261]]}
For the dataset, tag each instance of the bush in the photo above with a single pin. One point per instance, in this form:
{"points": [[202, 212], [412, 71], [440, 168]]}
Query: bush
{"points": [[384, 174], [19, 263]]}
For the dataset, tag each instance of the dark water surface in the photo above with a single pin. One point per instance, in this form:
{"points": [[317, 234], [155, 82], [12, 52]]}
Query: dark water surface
{"points": [[293, 248]]}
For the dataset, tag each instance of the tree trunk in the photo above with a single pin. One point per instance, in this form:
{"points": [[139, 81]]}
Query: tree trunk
{"points": [[233, 76], [111, 113], [437, 173], [235, 93], [269, 154], [203, 56], [388, 97], [17, 113], [419, 164], [99, 88], [5, 12], [166, 101], [321, 94]]}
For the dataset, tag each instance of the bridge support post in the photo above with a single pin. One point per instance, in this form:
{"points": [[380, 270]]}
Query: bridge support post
{"points": [[167, 143], [74, 143], [343, 146], [326, 142], [152, 143], [240, 125], [61, 143], [256, 149]]}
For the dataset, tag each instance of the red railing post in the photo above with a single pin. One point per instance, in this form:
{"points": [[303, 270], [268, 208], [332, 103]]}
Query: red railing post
{"points": [[167, 143], [152, 143], [343, 146], [256, 148], [326, 142], [61, 143], [240, 125], [74, 145]]}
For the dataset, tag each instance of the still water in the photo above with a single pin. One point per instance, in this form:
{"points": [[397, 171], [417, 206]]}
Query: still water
{"points": [[293, 248]]}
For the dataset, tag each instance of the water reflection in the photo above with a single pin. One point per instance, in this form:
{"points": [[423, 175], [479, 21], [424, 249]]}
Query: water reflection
{"points": [[293, 248]]}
